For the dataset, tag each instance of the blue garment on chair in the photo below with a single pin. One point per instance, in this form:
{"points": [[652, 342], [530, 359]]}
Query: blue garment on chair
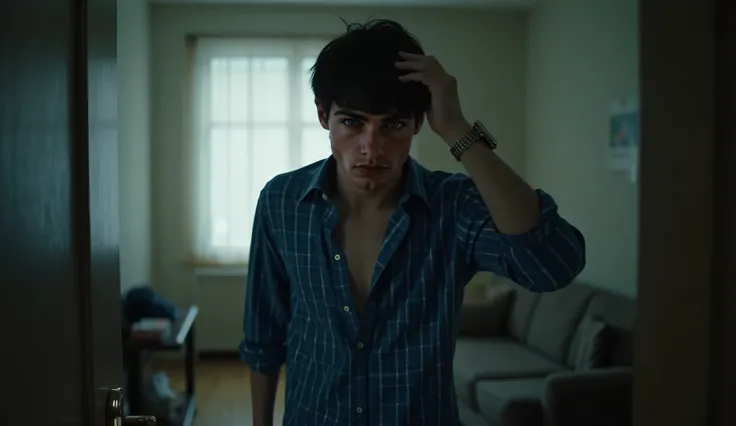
{"points": [[143, 302]]}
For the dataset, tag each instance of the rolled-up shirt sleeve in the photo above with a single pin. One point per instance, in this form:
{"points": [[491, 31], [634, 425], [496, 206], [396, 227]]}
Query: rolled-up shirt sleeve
{"points": [[266, 299], [547, 257]]}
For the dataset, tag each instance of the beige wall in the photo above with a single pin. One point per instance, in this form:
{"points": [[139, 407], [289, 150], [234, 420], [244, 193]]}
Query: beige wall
{"points": [[133, 142], [583, 55], [484, 50]]}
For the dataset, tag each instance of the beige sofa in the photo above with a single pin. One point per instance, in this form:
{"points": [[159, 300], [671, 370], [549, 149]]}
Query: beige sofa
{"points": [[524, 359]]}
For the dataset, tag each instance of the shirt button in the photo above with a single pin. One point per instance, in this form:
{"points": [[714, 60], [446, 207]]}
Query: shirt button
{"points": [[346, 308], [337, 257], [359, 410], [360, 345], [324, 197]]}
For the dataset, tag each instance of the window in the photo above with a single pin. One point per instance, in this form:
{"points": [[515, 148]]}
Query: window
{"points": [[254, 118]]}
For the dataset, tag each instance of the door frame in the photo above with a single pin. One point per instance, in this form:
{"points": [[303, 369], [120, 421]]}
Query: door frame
{"points": [[685, 280]]}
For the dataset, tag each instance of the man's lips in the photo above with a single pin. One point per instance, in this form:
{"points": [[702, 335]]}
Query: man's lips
{"points": [[370, 169]]}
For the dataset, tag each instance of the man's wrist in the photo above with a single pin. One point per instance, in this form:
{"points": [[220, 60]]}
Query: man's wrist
{"points": [[456, 133]]}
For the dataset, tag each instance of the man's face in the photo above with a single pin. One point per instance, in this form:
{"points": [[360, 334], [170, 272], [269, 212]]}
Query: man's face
{"points": [[369, 149]]}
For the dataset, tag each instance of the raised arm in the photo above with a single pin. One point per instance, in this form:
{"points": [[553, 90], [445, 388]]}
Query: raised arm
{"points": [[266, 316], [503, 225], [544, 258]]}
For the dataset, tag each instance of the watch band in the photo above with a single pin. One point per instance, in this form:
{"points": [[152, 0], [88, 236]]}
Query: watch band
{"points": [[478, 133]]}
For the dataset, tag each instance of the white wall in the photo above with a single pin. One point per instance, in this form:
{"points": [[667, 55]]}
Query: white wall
{"points": [[583, 54], [484, 50], [133, 142]]}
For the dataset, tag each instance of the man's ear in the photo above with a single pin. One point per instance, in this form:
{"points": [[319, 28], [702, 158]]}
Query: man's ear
{"points": [[417, 126], [323, 115]]}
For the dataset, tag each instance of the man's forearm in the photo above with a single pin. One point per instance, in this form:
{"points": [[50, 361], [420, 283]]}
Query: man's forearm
{"points": [[513, 204], [263, 396]]}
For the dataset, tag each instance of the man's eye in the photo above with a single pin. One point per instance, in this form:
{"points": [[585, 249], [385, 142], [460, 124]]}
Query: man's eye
{"points": [[350, 122], [396, 125]]}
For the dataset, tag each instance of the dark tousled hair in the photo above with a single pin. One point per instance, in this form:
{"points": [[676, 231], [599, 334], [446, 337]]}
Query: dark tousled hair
{"points": [[356, 70]]}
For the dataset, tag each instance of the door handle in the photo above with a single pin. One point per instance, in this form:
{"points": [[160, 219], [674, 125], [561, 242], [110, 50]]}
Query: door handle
{"points": [[115, 414]]}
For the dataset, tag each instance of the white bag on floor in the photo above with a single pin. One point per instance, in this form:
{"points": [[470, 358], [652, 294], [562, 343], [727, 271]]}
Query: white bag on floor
{"points": [[159, 399]]}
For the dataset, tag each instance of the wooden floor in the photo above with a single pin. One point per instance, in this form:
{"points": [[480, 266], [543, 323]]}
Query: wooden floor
{"points": [[223, 391]]}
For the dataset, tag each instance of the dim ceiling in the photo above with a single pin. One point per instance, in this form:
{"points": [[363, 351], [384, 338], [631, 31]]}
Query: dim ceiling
{"points": [[475, 4]]}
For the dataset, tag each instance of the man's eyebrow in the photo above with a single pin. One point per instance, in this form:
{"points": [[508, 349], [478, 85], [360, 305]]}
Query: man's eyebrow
{"points": [[350, 113], [362, 116], [397, 116]]}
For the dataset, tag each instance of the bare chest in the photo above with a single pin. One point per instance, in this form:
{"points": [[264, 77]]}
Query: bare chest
{"points": [[361, 242]]}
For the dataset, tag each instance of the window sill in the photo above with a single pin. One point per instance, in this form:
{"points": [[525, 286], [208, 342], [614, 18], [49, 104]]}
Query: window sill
{"points": [[221, 271]]}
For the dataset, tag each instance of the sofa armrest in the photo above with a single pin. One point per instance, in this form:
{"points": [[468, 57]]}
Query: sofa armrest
{"points": [[601, 397], [486, 318], [522, 412]]}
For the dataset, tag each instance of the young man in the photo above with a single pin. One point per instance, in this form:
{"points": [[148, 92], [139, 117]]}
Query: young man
{"points": [[358, 262]]}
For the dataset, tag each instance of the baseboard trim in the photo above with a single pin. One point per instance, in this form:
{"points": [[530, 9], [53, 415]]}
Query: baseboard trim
{"points": [[219, 355]]}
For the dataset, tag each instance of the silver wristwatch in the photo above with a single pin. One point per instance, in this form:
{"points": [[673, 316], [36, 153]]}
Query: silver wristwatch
{"points": [[478, 133]]}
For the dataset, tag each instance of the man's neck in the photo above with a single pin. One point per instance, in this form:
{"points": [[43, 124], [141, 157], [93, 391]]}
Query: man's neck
{"points": [[357, 201], [371, 201]]}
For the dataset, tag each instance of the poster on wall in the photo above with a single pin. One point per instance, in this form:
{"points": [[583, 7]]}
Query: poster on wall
{"points": [[623, 140]]}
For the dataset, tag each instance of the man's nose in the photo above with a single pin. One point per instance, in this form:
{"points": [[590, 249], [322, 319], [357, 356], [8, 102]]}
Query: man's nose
{"points": [[371, 142]]}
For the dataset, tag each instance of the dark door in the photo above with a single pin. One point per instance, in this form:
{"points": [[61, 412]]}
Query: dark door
{"points": [[60, 302]]}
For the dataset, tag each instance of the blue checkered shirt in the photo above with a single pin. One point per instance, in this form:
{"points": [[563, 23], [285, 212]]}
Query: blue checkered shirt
{"points": [[393, 364]]}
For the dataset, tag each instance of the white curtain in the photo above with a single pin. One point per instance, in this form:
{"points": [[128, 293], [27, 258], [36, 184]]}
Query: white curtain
{"points": [[253, 118]]}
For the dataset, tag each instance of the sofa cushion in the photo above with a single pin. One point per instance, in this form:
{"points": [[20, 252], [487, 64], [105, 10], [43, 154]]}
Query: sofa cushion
{"points": [[556, 319], [619, 313], [502, 358], [591, 349], [488, 317], [522, 308], [496, 397]]}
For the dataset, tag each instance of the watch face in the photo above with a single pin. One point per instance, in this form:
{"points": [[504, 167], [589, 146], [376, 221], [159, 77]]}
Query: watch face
{"points": [[482, 128], [486, 134]]}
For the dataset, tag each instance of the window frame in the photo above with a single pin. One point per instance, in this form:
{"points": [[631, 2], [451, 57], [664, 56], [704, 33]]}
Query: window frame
{"points": [[206, 49]]}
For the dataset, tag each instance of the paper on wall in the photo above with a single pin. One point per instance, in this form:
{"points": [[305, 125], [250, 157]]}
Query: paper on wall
{"points": [[623, 140]]}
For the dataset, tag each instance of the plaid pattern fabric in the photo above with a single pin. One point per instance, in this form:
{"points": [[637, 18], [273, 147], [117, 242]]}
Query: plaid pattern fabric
{"points": [[393, 363]]}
